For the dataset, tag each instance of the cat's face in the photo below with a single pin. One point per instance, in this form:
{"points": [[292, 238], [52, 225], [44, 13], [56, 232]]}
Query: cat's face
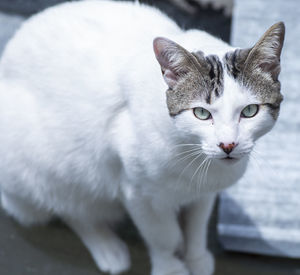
{"points": [[226, 103]]}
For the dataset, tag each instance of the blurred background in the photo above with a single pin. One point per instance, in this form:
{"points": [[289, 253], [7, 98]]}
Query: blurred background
{"points": [[255, 227]]}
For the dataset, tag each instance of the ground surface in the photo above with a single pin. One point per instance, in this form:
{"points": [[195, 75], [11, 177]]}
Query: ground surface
{"points": [[54, 249]]}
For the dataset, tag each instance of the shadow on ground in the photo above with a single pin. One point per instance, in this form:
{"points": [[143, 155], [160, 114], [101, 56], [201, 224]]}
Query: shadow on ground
{"points": [[54, 249]]}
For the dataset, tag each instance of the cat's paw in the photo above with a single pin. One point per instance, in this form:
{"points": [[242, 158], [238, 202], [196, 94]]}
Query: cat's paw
{"points": [[203, 265], [169, 266], [112, 257]]}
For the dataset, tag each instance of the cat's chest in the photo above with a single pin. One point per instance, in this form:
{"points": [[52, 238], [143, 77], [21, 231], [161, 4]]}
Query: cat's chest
{"points": [[185, 182]]}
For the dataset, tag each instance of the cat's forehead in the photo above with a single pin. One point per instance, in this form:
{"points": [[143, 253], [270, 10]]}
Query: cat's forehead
{"points": [[212, 77], [224, 76], [233, 96], [214, 74], [207, 82]]}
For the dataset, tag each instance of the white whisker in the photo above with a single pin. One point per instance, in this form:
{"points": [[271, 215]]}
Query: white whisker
{"points": [[181, 153], [206, 172], [187, 144], [261, 162], [202, 163], [200, 176], [189, 164], [183, 158]]}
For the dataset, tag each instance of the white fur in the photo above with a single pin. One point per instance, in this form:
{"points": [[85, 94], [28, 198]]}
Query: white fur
{"points": [[84, 129]]}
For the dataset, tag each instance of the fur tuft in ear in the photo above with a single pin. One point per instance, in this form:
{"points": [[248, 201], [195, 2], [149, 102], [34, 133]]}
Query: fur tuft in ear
{"points": [[266, 52], [172, 59]]}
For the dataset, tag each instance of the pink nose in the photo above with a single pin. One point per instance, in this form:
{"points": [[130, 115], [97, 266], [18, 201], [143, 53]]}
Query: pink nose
{"points": [[227, 147]]}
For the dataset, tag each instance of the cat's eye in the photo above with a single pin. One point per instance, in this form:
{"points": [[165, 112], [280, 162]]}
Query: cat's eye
{"points": [[202, 113], [250, 111]]}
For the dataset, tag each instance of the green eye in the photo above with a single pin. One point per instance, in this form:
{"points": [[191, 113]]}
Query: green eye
{"points": [[202, 113], [250, 111]]}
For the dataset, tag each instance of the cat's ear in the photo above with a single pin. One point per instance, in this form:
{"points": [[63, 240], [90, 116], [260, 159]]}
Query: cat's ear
{"points": [[172, 59], [265, 54]]}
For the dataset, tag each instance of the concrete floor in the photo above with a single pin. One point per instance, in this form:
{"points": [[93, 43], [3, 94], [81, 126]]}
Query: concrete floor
{"points": [[54, 249]]}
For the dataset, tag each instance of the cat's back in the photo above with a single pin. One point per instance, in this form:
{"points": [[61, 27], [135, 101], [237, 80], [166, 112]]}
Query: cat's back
{"points": [[68, 75], [82, 57], [90, 35], [62, 87]]}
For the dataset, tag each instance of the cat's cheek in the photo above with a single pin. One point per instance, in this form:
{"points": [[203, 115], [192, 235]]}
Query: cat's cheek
{"points": [[186, 124], [199, 132], [257, 126]]}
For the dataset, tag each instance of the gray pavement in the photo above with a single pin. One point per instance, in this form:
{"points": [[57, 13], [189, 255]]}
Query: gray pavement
{"points": [[54, 249]]}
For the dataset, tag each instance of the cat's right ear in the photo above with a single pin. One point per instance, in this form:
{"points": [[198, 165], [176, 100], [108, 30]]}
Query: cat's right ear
{"points": [[265, 55], [171, 58]]}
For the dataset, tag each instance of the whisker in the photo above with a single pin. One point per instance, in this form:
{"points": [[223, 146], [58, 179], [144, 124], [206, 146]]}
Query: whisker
{"points": [[259, 159], [188, 165], [188, 156], [200, 176], [257, 165], [187, 144], [195, 149], [198, 169], [197, 145], [206, 172]]}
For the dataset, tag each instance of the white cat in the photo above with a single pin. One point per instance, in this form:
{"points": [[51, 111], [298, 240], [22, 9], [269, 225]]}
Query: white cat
{"points": [[87, 127]]}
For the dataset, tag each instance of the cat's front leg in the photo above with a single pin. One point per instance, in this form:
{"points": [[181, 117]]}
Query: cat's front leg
{"points": [[198, 259], [160, 229], [109, 252]]}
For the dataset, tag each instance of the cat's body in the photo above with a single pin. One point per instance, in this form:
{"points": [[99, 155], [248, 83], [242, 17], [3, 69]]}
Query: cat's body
{"points": [[69, 93], [85, 130]]}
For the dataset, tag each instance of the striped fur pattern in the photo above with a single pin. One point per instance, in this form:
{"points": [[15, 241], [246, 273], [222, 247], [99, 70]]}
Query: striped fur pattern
{"points": [[216, 78], [205, 81], [256, 69]]}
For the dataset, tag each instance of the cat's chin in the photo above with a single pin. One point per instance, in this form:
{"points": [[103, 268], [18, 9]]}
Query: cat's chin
{"points": [[229, 160]]}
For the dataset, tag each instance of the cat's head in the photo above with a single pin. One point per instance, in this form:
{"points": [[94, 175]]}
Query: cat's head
{"points": [[224, 103]]}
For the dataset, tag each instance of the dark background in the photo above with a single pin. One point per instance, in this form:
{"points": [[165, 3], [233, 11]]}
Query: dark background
{"points": [[205, 18]]}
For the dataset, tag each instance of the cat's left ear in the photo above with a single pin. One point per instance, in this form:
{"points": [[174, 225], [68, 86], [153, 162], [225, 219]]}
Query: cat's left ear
{"points": [[265, 54], [172, 58]]}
